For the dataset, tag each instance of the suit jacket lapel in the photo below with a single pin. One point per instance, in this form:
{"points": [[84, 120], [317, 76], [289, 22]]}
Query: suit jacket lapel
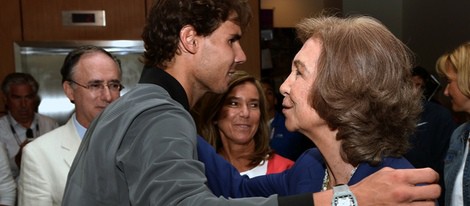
{"points": [[70, 143]]}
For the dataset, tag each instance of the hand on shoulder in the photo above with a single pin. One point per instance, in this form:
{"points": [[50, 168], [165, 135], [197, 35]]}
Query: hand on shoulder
{"points": [[398, 187]]}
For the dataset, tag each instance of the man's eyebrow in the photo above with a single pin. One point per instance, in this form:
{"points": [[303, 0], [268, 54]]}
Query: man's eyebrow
{"points": [[95, 81], [101, 81], [115, 80]]}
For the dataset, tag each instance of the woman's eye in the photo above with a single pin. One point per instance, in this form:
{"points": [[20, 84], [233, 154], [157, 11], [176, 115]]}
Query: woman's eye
{"points": [[254, 105]]}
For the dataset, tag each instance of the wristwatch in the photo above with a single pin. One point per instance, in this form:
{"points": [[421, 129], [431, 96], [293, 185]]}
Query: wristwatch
{"points": [[342, 196]]}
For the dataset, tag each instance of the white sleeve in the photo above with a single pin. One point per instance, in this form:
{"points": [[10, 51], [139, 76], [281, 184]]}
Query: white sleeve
{"points": [[7, 183]]}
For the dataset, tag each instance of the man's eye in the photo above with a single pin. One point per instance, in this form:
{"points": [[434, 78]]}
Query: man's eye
{"points": [[114, 86], [95, 86]]}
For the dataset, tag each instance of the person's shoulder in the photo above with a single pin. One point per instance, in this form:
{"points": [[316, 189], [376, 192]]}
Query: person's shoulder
{"points": [[3, 145], [464, 126], [278, 164], [145, 90], [310, 156], [5, 130], [44, 118], [143, 97], [396, 162], [279, 158], [4, 120], [50, 138], [436, 108]]}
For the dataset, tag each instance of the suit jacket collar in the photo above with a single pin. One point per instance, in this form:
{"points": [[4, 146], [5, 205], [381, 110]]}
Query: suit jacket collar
{"points": [[169, 83], [70, 143]]}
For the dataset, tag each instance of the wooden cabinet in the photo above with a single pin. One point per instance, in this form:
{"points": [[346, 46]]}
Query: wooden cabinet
{"points": [[32, 20], [43, 20], [125, 19], [10, 31]]}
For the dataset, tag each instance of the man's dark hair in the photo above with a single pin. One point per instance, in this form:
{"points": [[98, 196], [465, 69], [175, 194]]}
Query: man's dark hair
{"points": [[168, 17], [19, 78], [74, 56]]}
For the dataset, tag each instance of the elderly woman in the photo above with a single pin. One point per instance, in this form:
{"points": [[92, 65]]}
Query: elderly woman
{"points": [[350, 92], [235, 124]]}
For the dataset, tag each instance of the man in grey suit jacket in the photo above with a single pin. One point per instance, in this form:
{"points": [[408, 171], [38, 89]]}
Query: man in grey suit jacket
{"points": [[91, 80], [142, 149]]}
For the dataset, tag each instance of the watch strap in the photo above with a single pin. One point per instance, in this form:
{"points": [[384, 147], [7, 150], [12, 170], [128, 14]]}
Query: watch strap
{"points": [[342, 195]]}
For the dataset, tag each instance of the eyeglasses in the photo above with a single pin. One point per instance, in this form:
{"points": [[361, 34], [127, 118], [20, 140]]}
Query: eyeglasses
{"points": [[98, 86]]}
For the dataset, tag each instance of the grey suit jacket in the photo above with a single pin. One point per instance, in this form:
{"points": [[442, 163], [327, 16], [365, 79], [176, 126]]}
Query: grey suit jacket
{"points": [[45, 165], [141, 150]]}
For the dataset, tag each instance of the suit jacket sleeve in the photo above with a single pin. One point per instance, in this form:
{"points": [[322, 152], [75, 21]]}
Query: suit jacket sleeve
{"points": [[305, 176], [7, 184], [224, 180], [33, 185]]}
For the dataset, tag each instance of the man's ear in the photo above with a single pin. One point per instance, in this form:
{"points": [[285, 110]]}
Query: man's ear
{"points": [[68, 90], [4, 99], [188, 39]]}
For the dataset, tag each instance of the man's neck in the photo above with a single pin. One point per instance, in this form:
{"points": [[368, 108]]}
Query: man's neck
{"points": [[168, 82], [24, 122]]}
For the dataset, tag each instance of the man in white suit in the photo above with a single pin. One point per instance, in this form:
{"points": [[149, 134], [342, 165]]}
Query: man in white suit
{"points": [[91, 79]]}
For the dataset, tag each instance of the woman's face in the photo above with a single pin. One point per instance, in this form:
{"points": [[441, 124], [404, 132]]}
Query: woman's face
{"points": [[460, 103], [239, 117], [300, 116]]}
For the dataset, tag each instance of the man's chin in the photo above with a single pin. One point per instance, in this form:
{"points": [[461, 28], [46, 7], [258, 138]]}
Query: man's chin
{"points": [[24, 118], [220, 90]]}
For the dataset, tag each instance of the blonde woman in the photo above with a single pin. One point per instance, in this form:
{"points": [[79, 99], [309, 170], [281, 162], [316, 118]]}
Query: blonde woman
{"points": [[455, 67]]}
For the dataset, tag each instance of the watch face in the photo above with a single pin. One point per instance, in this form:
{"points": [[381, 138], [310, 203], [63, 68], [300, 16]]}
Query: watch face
{"points": [[344, 201]]}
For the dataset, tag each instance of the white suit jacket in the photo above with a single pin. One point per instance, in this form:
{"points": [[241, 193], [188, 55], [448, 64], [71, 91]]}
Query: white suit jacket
{"points": [[45, 165], [7, 183]]}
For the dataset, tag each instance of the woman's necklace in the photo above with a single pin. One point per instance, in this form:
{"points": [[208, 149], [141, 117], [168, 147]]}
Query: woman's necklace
{"points": [[326, 178], [326, 181]]}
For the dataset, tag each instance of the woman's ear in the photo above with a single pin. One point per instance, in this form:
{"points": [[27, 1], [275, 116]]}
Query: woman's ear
{"points": [[188, 39]]}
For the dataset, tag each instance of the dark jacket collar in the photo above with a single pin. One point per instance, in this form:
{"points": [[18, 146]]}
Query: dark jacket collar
{"points": [[161, 78]]}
